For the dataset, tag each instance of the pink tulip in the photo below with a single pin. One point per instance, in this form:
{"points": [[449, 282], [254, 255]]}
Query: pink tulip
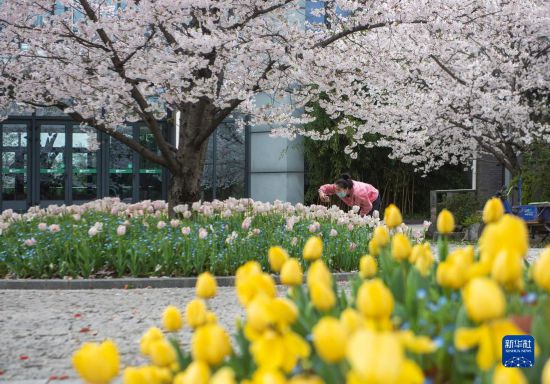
{"points": [[203, 233], [186, 231], [30, 242], [174, 223], [333, 232], [121, 230], [92, 231], [42, 226], [161, 224], [55, 228]]}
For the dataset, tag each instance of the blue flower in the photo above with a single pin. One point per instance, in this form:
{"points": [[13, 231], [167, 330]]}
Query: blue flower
{"points": [[421, 294], [529, 298]]}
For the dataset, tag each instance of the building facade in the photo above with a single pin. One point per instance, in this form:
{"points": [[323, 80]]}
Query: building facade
{"points": [[48, 159]]}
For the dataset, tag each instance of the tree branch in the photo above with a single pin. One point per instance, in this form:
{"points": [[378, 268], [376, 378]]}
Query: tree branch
{"points": [[362, 28], [449, 72]]}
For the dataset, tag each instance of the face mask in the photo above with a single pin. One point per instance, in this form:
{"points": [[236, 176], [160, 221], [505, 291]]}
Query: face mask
{"points": [[341, 194]]}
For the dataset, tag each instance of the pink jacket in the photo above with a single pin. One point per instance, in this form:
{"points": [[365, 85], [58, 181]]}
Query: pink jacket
{"points": [[362, 195]]}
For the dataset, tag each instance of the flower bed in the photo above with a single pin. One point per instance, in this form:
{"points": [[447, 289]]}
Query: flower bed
{"points": [[406, 318], [110, 238]]}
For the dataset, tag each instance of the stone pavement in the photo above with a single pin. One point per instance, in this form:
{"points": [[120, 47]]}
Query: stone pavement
{"points": [[40, 329]]}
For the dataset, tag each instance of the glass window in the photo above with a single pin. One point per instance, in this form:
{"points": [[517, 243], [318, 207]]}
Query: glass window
{"points": [[84, 161], [150, 174], [120, 167], [230, 161], [52, 162], [14, 162]]}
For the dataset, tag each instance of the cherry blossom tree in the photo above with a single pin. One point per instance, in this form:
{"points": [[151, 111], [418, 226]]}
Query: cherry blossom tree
{"points": [[465, 78], [407, 70]]}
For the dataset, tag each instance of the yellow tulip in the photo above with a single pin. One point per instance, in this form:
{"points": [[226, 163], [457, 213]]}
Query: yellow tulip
{"points": [[505, 375], [411, 373], [248, 269], [319, 273], [450, 275], [374, 299], [224, 375], [152, 334], [424, 260], [546, 373], [322, 296], [197, 373], [508, 233], [257, 313], [374, 247], [330, 339], [541, 270], [273, 351], [277, 257], [97, 363], [313, 248], [367, 267], [195, 313], [400, 247], [265, 376], [351, 320], [291, 273], [148, 374], [417, 344], [493, 210], [162, 353], [171, 319], [268, 350], [303, 379], [381, 235], [211, 344], [392, 216], [283, 311], [507, 268], [375, 357], [445, 222], [479, 269], [255, 284], [483, 300], [295, 348], [206, 286]]}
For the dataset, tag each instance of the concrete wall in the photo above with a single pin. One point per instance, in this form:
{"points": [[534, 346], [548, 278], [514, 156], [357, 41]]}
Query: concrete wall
{"points": [[489, 178]]}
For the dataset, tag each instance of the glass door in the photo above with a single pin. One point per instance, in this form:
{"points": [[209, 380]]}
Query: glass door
{"points": [[150, 174], [121, 167], [14, 165], [52, 181], [85, 149]]}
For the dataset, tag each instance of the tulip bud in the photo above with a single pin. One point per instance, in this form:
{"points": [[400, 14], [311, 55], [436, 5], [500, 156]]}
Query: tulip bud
{"points": [[374, 299], [493, 210], [277, 257], [445, 222], [291, 273], [400, 247], [484, 300], [329, 339], [206, 286], [367, 267], [541, 270], [392, 216], [313, 248], [171, 319]]}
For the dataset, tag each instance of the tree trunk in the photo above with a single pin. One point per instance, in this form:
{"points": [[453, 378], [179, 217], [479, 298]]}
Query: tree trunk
{"points": [[185, 184]]}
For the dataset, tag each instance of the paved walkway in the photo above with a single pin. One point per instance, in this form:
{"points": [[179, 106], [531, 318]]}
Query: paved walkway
{"points": [[39, 330]]}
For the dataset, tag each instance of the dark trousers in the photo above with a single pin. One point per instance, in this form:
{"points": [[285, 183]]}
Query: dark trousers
{"points": [[376, 206]]}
